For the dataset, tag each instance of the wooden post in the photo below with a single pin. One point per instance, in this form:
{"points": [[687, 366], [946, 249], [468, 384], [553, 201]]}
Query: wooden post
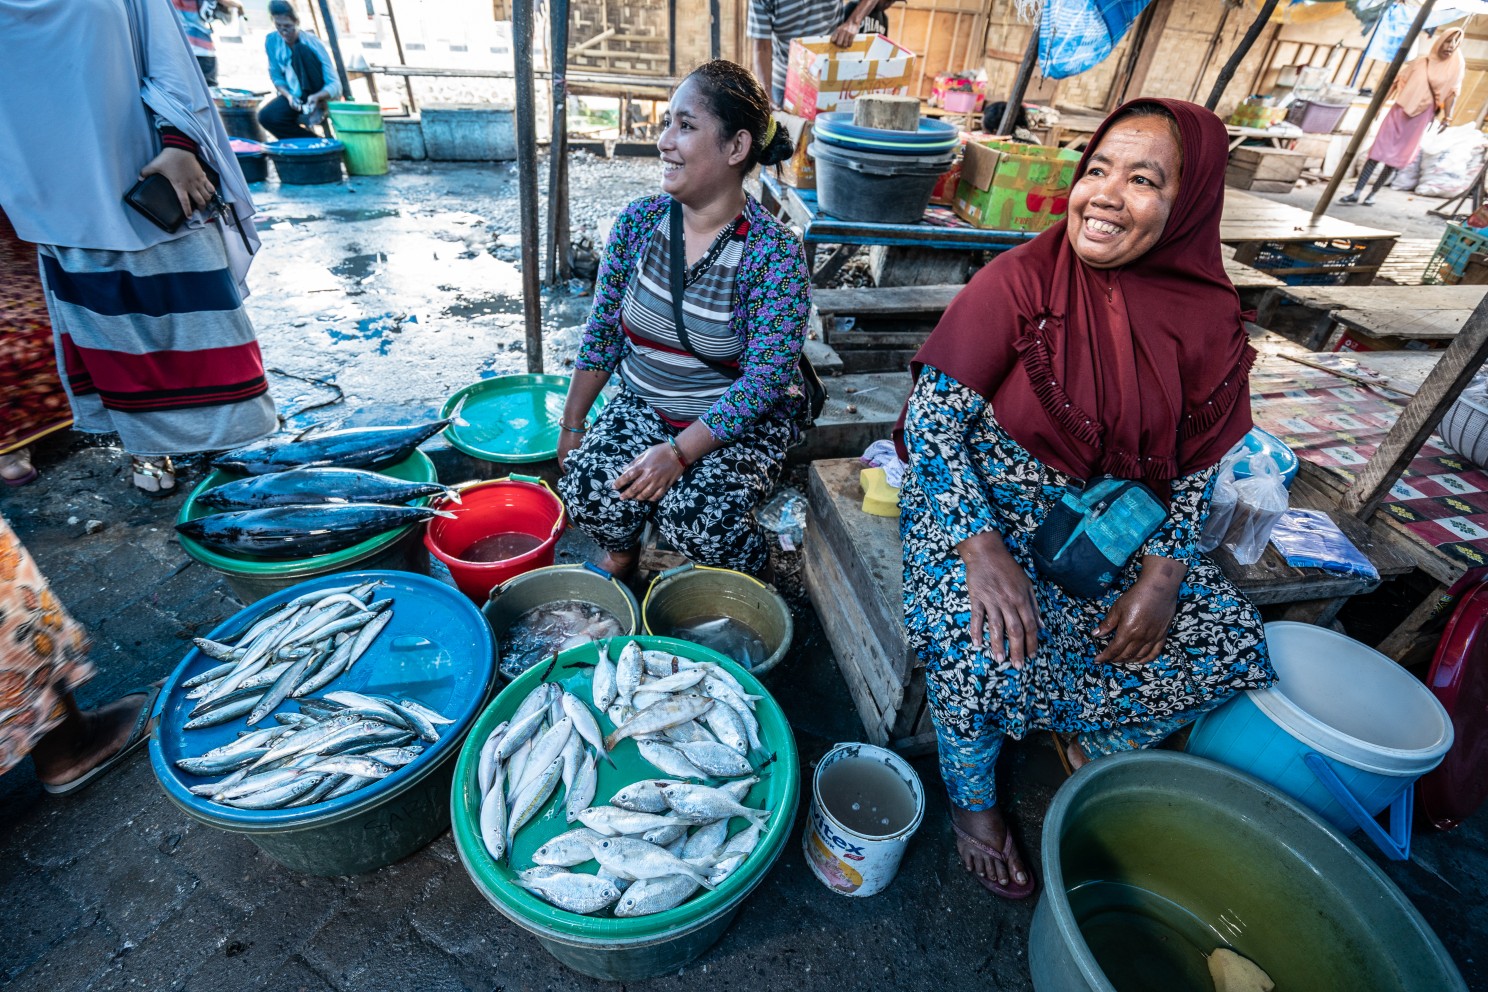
{"points": [[335, 45], [1020, 83], [1451, 374], [1372, 111], [672, 38], [522, 21], [1238, 55], [558, 229], [715, 29], [398, 43]]}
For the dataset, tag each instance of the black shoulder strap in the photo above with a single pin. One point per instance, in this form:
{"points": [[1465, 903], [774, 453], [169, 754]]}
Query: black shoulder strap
{"points": [[678, 250]]}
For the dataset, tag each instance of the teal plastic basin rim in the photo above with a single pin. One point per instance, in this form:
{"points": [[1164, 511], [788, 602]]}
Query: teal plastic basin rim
{"points": [[471, 391]]}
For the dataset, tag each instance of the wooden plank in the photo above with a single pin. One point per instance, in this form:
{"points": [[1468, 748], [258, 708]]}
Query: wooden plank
{"points": [[911, 707], [1247, 217], [1243, 276], [844, 634], [855, 338], [1458, 364], [868, 550], [893, 301], [1411, 325], [1399, 371]]}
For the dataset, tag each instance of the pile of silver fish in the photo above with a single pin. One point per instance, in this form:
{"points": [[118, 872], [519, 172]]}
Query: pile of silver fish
{"points": [[288, 653], [312, 496], [657, 841], [334, 745], [544, 630]]}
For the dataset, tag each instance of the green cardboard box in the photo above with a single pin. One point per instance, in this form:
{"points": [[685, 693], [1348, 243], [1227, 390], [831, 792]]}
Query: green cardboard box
{"points": [[1007, 186]]}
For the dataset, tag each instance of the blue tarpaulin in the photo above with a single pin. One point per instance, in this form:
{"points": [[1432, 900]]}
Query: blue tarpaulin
{"points": [[1078, 34]]}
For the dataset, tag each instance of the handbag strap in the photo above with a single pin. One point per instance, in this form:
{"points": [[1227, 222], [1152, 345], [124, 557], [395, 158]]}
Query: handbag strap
{"points": [[678, 250]]}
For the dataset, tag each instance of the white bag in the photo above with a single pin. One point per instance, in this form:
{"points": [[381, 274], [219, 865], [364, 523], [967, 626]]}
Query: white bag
{"points": [[1222, 503]]}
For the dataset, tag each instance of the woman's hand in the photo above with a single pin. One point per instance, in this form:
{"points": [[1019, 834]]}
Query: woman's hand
{"points": [[1002, 601], [650, 475], [1138, 621], [567, 441], [186, 175]]}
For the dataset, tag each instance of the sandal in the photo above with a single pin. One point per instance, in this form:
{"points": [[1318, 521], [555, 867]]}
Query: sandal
{"points": [[1011, 891], [153, 476], [21, 456], [138, 734]]}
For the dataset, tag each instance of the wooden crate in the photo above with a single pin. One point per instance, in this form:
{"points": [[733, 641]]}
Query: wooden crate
{"points": [[854, 575], [1266, 170]]}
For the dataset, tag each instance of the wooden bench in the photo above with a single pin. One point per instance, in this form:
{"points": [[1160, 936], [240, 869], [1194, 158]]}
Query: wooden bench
{"points": [[1307, 313], [1254, 224]]}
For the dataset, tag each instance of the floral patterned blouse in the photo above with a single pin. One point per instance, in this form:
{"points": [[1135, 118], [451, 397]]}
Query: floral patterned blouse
{"points": [[772, 305]]}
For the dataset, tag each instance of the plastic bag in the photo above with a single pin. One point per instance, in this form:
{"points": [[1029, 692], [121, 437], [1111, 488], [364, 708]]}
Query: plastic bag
{"points": [[1309, 539], [1406, 179], [1222, 503], [785, 516], [1259, 502], [1451, 171]]}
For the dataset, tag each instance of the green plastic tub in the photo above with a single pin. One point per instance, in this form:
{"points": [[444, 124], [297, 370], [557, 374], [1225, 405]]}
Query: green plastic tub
{"points": [[555, 584], [251, 579], [689, 591], [359, 128], [604, 946], [1151, 860]]}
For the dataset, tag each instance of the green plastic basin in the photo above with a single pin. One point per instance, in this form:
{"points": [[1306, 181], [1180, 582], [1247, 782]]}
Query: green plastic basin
{"points": [[603, 946], [253, 578], [512, 419]]}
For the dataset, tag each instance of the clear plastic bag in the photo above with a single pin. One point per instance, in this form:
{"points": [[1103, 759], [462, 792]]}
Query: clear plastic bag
{"points": [[1259, 502], [1308, 539], [785, 515], [1222, 503]]}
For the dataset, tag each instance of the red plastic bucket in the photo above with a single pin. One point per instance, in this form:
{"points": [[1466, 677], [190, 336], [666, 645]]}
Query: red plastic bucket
{"points": [[500, 529]]}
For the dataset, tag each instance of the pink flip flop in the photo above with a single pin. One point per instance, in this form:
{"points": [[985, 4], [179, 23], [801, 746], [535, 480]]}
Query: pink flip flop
{"points": [[1013, 891]]}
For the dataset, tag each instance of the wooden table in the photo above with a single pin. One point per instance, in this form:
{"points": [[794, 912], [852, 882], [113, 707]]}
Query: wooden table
{"points": [[1405, 325], [1313, 310], [1243, 276], [942, 229], [1250, 223]]}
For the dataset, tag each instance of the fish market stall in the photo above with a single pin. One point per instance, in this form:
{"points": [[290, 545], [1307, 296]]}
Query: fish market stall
{"points": [[694, 811], [340, 761]]}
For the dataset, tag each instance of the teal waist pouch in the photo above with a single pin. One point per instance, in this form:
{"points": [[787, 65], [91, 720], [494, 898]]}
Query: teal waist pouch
{"points": [[1093, 531]]}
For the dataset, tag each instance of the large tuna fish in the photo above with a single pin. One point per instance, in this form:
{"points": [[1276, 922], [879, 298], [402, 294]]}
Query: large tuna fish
{"points": [[307, 486], [283, 532], [354, 447]]}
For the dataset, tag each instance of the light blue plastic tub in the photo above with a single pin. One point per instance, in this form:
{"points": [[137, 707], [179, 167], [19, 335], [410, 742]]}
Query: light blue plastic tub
{"points": [[1345, 730]]}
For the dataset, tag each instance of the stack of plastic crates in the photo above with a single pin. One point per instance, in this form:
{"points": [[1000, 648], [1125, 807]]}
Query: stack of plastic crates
{"points": [[1458, 244], [1275, 258]]}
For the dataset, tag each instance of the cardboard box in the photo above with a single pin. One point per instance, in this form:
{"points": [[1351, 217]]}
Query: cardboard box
{"points": [[800, 169], [820, 77], [1007, 186], [944, 194]]}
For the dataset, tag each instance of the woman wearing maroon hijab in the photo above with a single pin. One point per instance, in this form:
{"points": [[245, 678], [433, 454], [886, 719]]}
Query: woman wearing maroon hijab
{"points": [[1110, 345]]}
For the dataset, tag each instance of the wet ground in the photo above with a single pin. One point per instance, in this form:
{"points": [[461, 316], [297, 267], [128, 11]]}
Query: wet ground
{"points": [[399, 291]]}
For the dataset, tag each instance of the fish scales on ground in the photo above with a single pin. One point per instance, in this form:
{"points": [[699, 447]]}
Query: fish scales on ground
{"points": [[310, 486], [285, 532], [354, 447], [673, 834]]}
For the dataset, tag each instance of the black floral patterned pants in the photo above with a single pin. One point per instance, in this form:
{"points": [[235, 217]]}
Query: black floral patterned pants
{"points": [[707, 515]]}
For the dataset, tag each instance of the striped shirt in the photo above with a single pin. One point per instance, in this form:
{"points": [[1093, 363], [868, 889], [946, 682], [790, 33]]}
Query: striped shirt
{"points": [[198, 31], [657, 368], [782, 20]]}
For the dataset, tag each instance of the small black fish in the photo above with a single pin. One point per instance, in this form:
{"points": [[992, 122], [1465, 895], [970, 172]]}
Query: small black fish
{"points": [[308, 486], [355, 447], [283, 532]]}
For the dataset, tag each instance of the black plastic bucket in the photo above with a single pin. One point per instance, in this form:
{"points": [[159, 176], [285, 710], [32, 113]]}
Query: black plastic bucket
{"points": [[876, 189], [307, 161], [241, 122]]}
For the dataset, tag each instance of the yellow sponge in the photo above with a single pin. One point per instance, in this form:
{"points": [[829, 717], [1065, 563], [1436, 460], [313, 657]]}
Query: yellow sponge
{"points": [[879, 498]]}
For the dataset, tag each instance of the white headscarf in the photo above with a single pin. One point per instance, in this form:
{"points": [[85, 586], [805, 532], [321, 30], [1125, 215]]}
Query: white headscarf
{"points": [[78, 83]]}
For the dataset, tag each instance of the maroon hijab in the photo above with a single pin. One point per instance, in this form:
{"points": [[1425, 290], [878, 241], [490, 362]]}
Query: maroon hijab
{"points": [[1139, 372]]}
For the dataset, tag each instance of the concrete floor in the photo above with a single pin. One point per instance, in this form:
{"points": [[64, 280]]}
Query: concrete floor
{"points": [[401, 290]]}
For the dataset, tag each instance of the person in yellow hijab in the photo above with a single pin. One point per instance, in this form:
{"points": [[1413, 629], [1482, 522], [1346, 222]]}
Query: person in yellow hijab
{"points": [[1425, 90]]}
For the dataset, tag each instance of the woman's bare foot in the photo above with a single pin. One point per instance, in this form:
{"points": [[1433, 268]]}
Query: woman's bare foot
{"points": [[1074, 753], [620, 564], [85, 739], [988, 827]]}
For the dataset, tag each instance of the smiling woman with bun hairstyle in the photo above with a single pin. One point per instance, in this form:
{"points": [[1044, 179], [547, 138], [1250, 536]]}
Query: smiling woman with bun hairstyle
{"points": [[696, 434]]}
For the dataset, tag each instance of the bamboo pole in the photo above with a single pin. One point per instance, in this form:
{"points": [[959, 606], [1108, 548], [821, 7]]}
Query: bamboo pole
{"points": [[522, 21], [1020, 82], [558, 226], [1372, 111], [402, 60], [1238, 55], [335, 45]]}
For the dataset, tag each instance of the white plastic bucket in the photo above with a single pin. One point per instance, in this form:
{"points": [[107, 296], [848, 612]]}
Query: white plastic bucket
{"points": [[866, 802], [1374, 724]]}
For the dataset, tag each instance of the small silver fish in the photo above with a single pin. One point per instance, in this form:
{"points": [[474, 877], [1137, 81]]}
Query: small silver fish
{"points": [[701, 804], [642, 860], [568, 849], [581, 792], [643, 796], [669, 760], [611, 820], [573, 891], [603, 685], [659, 717], [585, 724], [718, 760], [493, 819], [628, 671], [655, 895]]}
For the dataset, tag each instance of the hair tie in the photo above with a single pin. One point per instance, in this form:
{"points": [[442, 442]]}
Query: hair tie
{"points": [[770, 130]]}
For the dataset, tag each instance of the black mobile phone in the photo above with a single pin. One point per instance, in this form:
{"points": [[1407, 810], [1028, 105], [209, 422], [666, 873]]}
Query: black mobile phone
{"points": [[155, 197]]}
